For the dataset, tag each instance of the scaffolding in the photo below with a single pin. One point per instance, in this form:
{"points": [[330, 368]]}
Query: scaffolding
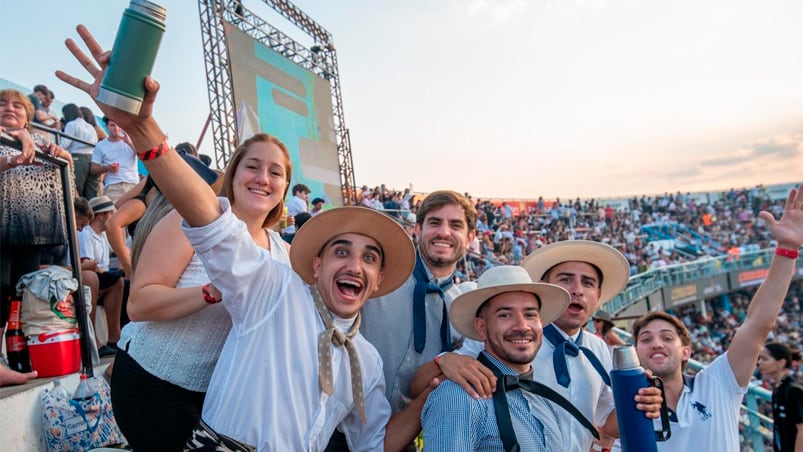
{"points": [[320, 59]]}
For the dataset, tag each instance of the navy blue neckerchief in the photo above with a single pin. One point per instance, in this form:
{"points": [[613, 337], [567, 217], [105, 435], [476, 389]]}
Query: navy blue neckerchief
{"points": [[563, 347], [423, 286]]}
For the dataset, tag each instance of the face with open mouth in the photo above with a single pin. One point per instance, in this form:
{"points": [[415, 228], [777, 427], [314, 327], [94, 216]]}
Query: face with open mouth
{"points": [[582, 282], [510, 324], [260, 181], [660, 349], [443, 238], [348, 271]]}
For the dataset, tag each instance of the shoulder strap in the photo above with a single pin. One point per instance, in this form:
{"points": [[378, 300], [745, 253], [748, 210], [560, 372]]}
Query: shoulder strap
{"points": [[549, 394], [501, 409]]}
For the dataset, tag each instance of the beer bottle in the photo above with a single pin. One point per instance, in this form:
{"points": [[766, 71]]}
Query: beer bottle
{"points": [[16, 344]]}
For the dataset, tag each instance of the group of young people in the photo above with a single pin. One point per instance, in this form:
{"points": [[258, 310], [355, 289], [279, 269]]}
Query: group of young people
{"points": [[353, 338]]}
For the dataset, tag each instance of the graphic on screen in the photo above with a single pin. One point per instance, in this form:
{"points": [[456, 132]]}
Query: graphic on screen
{"points": [[274, 95]]}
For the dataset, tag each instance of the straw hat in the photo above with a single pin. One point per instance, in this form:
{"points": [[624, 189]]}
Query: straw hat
{"points": [[101, 204], [502, 279], [397, 247], [613, 265]]}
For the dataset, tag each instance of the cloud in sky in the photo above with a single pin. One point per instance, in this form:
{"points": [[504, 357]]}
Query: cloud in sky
{"points": [[763, 158]]}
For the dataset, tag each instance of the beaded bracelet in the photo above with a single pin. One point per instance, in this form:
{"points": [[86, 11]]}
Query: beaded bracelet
{"points": [[154, 152]]}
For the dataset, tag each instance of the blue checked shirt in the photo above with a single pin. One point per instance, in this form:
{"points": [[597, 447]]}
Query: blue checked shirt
{"points": [[453, 421]]}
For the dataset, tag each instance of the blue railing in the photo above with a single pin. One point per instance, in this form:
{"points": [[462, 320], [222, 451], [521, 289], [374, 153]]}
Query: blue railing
{"points": [[643, 284]]}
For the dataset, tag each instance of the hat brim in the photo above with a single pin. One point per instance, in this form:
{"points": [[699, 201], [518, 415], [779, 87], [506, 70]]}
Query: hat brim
{"points": [[463, 311], [613, 265], [207, 174], [397, 247]]}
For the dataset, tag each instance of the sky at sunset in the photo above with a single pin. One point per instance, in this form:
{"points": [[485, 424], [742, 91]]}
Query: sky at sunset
{"points": [[507, 98]]}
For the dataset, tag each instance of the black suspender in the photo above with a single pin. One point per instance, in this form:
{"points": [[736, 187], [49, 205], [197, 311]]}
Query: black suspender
{"points": [[502, 410]]}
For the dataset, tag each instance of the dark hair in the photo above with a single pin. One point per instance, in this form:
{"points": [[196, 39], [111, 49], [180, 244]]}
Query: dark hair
{"points": [[438, 199], [41, 89], [187, 148], [297, 188], [301, 218], [83, 208], [228, 176], [780, 351], [71, 112], [89, 116], [206, 159]]}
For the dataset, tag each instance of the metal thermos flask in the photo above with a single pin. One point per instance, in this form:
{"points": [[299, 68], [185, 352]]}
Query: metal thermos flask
{"points": [[636, 431], [133, 55]]}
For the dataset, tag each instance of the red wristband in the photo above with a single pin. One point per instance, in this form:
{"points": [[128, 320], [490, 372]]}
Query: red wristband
{"points": [[154, 152], [786, 252], [207, 293]]}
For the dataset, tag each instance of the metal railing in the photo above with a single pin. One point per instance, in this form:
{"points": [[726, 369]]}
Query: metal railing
{"points": [[644, 284]]}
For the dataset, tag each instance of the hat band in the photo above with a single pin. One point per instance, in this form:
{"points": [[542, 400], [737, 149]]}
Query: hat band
{"points": [[102, 206]]}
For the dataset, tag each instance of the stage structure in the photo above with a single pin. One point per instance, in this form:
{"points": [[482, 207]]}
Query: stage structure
{"points": [[260, 79]]}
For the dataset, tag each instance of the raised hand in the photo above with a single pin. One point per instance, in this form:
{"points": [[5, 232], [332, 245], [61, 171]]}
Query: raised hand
{"points": [[144, 132], [788, 231]]}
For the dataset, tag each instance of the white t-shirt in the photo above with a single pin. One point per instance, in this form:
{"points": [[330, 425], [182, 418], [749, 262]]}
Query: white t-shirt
{"points": [[708, 417], [78, 128], [92, 245], [107, 152]]}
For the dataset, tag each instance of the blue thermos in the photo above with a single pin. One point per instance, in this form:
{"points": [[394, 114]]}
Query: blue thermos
{"points": [[636, 431]]}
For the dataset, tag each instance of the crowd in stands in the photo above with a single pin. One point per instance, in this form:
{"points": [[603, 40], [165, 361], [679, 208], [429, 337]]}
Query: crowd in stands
{"points": [[651, 231]]}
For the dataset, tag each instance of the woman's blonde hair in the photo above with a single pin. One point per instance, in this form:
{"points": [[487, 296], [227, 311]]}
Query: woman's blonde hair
{"points": [[11, 95]]}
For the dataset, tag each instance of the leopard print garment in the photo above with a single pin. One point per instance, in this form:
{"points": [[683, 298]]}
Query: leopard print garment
{"points": [[31, 203]]}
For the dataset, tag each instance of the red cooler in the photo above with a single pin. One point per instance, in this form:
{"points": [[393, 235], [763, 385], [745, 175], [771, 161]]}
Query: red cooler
{"points": [[55, 353]]}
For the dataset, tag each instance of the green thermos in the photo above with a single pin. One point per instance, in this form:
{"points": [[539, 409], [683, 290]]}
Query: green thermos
{"points": [[133, 55]]}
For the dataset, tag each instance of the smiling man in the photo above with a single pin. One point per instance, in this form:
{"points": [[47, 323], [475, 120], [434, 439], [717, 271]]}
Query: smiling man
{"points": [[507, 311], [705, 409], [410, 326]]}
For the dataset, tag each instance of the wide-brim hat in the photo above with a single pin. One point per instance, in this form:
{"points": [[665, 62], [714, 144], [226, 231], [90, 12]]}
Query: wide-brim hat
{"points": [[503, 279], [209, 175], [603, 315], [397, 247], [613, 265], [101, 204]]}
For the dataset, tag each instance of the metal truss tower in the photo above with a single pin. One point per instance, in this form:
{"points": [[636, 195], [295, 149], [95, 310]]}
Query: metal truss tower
{"points": [[320, 59]]}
